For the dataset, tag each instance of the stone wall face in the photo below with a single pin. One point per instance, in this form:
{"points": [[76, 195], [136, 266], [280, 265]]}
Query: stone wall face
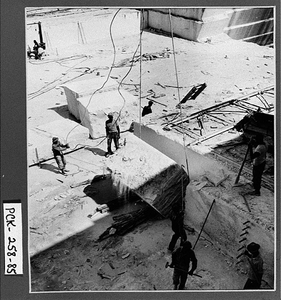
{"points": [[72, 103], [196, 24]]}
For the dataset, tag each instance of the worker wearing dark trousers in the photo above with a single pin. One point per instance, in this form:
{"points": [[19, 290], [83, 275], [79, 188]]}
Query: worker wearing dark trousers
{"points": [[258, 156], [112, 133], [58, 148], [35, 49], [177, 218], [181, 258], [255, 267]]}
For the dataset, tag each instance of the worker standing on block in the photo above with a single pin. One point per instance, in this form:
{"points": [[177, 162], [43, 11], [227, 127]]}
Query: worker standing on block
{"points": [[177, 218], [147, 109], [181, 258], [58, 148], [255, 267], [112, 133], [258, 156]]}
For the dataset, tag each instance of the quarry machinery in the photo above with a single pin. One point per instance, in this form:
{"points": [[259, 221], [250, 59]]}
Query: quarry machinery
{"points": [[41, 41], [38, 47]]}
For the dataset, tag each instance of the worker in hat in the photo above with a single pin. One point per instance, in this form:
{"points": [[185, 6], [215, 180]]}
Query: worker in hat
{"points": [[177, 218], [255, 267], [181, 259], [112, 133], [147, 109], [258, 156], [58, 148]]}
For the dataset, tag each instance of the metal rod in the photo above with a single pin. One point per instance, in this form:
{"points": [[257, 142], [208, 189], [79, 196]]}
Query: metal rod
{"points": [[240, 255], [246, 228], [204, 138], [242, 240], [242, 165], [156, 101], [246, 202], [204, 223], [169, 265], [241, 248], [37, 157], [220, 105], [246, 232], [40, 33], [47, 159]]}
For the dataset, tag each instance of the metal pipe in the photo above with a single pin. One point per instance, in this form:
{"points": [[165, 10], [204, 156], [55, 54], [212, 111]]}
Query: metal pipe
{"points": [[40, 33], [244, 233], [204, 223], [241, 248], [247, 227], [47, 159]]}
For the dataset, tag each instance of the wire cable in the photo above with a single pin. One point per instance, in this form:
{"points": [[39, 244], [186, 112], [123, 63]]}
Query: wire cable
{"points": [[121, 82], [46, 88], [108, 75], [141, 32], [176, 73]]}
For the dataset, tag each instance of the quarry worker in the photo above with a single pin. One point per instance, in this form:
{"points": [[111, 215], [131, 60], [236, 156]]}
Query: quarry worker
{"points": [[181, 258], [255, 266], [58, 148], [177, 218], [258, 156], [112, 133], [35, 49], [147, 109]]}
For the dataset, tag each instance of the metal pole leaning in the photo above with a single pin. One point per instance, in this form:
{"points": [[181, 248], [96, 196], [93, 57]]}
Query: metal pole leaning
{"points": [[204, 223], [241, 168]]}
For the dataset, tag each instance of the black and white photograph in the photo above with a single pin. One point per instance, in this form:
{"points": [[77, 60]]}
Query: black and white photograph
{"points": [[151, 147]]}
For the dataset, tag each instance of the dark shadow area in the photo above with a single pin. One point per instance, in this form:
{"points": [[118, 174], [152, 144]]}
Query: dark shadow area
{"points": [[64, 112], [50, 168], [96, 151], [81, 251], [103, 191]]}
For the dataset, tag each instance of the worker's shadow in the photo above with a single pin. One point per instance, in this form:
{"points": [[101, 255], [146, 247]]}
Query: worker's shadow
{"points": [[50, 167], [96, 151]]}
